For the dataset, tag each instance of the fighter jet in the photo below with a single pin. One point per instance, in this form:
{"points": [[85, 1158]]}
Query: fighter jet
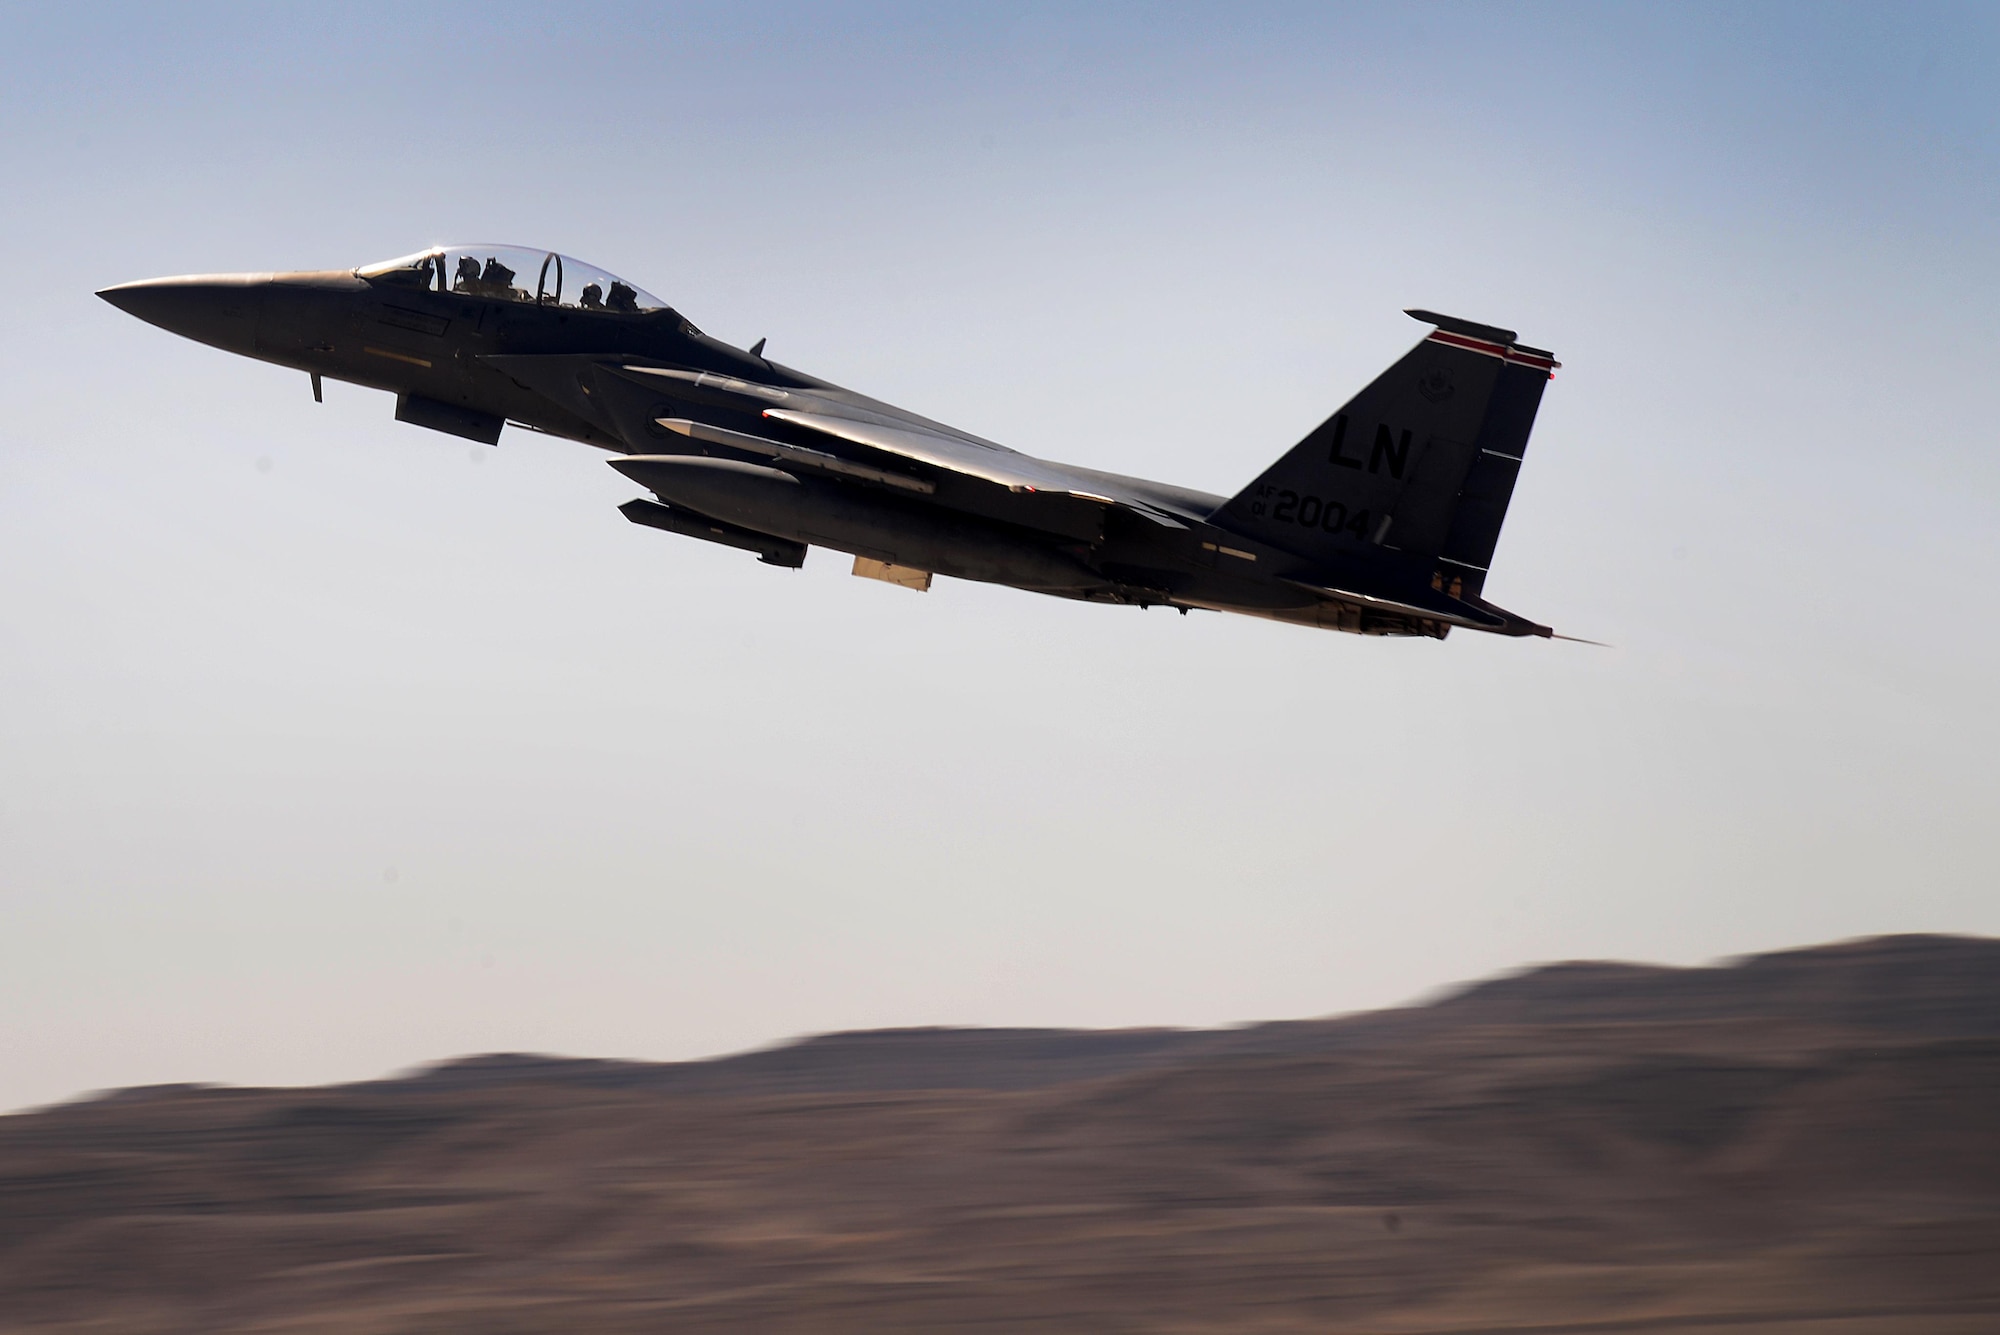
{"points": [[1381, 521]]}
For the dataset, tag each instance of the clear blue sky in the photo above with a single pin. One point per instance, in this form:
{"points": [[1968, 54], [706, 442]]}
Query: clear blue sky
{"points": [[329, 745]]}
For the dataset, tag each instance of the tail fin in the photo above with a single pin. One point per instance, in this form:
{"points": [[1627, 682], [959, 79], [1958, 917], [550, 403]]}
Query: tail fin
{"points": [[1421, 462]]}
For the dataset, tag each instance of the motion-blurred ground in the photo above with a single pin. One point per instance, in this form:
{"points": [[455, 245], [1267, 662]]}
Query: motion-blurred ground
{"points": [[1804, 1142]]}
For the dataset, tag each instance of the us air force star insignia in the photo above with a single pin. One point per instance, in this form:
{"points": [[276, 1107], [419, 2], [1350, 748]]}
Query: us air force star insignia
{"points": [[1436, 385]]}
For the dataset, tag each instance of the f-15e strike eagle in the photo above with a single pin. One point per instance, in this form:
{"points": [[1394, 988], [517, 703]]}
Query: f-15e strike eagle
{"points": [[1382, 521]]}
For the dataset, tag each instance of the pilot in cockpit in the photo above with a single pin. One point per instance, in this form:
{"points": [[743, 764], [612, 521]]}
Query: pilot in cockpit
{"points": [[467, 277], [497, 279], [593, 297]]}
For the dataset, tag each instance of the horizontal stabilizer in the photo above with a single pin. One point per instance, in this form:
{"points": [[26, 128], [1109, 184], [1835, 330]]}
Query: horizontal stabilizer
{"points": [[1437, 607]]}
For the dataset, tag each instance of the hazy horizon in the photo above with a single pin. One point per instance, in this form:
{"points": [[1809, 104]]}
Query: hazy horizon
{"points": [[334, 746], [1433, 995]]}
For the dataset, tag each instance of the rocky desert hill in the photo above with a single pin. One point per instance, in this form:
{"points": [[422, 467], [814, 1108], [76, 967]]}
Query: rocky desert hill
{"points": [[1799, 1142]]}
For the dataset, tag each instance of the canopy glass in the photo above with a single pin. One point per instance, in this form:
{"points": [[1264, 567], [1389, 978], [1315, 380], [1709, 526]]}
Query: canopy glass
{"points": [[515, 273]]}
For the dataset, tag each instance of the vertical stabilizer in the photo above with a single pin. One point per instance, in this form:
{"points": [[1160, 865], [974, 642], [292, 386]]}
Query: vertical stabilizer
{"points": [[1422, 462]]}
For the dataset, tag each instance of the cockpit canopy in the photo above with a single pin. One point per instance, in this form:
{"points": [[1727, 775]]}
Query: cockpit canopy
{"points": [[515, 273]]}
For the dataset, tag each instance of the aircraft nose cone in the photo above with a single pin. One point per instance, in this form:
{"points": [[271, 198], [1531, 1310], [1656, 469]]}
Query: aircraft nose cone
{"points": [[221, 310]]}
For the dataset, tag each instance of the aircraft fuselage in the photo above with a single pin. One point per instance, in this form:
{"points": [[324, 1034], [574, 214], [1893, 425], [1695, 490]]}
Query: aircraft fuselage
{"points": [[740, 450]]}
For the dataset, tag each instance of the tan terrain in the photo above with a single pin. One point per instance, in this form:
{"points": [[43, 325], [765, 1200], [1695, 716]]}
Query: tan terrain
{"points": [[1804, 1142]]}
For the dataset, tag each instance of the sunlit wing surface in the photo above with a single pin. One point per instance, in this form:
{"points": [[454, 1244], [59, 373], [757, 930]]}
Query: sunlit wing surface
{"points": [[1017, 472]]}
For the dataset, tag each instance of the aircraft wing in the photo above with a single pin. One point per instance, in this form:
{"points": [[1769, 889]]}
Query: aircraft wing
{"points": [[827, 411], [1017, 472]]}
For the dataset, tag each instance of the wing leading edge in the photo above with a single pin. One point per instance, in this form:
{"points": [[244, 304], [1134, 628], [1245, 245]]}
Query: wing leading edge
{"points": [[1016, 472]]}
